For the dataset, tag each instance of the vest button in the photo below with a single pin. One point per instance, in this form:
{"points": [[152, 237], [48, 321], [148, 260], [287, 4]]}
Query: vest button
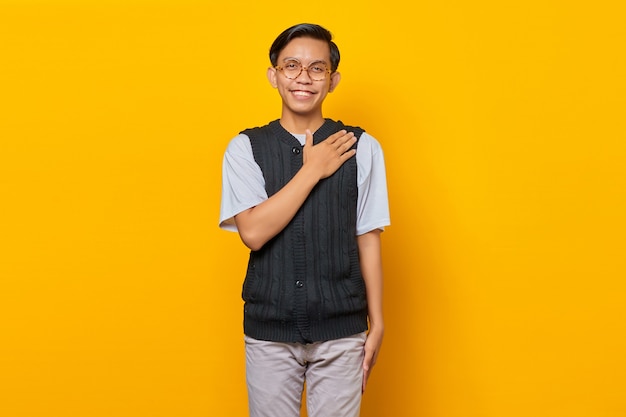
{"points": [[295, 150], [299, 284]]}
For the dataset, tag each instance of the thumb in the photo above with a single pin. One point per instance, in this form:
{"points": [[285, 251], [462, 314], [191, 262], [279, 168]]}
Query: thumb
{"points": [[308, 139], [367, 362]]}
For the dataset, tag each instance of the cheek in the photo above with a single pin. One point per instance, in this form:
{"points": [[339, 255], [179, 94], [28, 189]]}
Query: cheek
{"points": [[282, 87]]}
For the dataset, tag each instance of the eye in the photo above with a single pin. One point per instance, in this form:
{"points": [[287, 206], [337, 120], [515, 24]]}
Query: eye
{"points": [[318, 68], [291, 65]]}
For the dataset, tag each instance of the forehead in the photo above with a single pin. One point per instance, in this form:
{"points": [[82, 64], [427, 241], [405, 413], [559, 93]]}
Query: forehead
{"points": [[306, 49]]}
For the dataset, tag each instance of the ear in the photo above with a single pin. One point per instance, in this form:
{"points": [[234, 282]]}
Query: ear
{"points": [[271, 76], [335, 77]]}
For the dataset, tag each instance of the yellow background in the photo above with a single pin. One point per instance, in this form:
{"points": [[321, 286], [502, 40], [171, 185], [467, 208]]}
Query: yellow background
{"points": [[503, 125]]}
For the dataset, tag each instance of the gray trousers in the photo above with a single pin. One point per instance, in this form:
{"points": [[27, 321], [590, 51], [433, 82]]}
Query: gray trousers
{"points": [[276, 372]]}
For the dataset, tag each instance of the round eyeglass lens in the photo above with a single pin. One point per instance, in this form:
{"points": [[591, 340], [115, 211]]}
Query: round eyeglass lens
{"points": [[292, 70]]}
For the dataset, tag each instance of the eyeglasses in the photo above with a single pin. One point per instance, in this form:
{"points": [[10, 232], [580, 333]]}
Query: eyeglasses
{"points": [[292, 69]]}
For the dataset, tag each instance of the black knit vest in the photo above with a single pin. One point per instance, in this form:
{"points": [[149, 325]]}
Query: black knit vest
{"points": [[305, 284]]}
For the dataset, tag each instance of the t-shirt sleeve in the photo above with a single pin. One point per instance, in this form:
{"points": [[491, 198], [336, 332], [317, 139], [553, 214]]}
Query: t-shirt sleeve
{"points": [[373, 200], [243, 185]]}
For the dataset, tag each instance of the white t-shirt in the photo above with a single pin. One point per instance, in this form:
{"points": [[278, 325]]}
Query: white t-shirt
{"points": [[243, 185]]}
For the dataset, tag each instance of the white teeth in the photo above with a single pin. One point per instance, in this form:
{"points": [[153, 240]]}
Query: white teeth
{"points": [[301, 93]]}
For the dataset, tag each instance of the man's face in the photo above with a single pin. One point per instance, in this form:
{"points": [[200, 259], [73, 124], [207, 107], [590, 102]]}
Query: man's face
{"points": [[303, 96]]}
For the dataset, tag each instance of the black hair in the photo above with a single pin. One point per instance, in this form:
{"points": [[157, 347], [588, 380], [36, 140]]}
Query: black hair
{"points": [[305, 30]]}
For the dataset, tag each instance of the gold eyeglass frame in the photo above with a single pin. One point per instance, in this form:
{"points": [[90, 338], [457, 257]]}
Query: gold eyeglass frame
{"points": [[303, 68]]}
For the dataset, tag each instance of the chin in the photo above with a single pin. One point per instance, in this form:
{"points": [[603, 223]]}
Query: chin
{"points": [[303, 111]]}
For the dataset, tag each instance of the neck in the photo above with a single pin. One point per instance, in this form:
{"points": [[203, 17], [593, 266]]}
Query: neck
{"points": [[300, 123]]}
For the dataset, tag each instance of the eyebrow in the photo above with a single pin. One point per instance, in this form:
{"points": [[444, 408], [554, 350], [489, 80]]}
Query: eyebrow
{"points": [[317, 61]]}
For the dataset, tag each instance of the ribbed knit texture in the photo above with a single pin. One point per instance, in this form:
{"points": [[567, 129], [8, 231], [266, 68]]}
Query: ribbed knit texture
{"points": [[305, 285]]}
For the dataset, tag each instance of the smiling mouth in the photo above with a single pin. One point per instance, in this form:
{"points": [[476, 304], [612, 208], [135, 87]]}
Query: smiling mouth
{"points": [[301, 93]]}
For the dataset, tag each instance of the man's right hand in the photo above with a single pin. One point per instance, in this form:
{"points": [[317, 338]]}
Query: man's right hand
{"points": [[327, 156]]}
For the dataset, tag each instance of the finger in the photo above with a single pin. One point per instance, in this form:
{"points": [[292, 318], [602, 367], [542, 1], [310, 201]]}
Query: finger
{"points": [[347, 155], [367, 360], [344, 143], [336, 136], [308, 138], [367, 367], [349, 143], [346, 138]]}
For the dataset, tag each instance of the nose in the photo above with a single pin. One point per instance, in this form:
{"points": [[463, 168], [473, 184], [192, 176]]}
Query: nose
{"points": [[304, 77]]}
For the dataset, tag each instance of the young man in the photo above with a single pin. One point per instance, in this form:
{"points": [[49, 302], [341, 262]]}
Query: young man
{"points": [[308, 196]]}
